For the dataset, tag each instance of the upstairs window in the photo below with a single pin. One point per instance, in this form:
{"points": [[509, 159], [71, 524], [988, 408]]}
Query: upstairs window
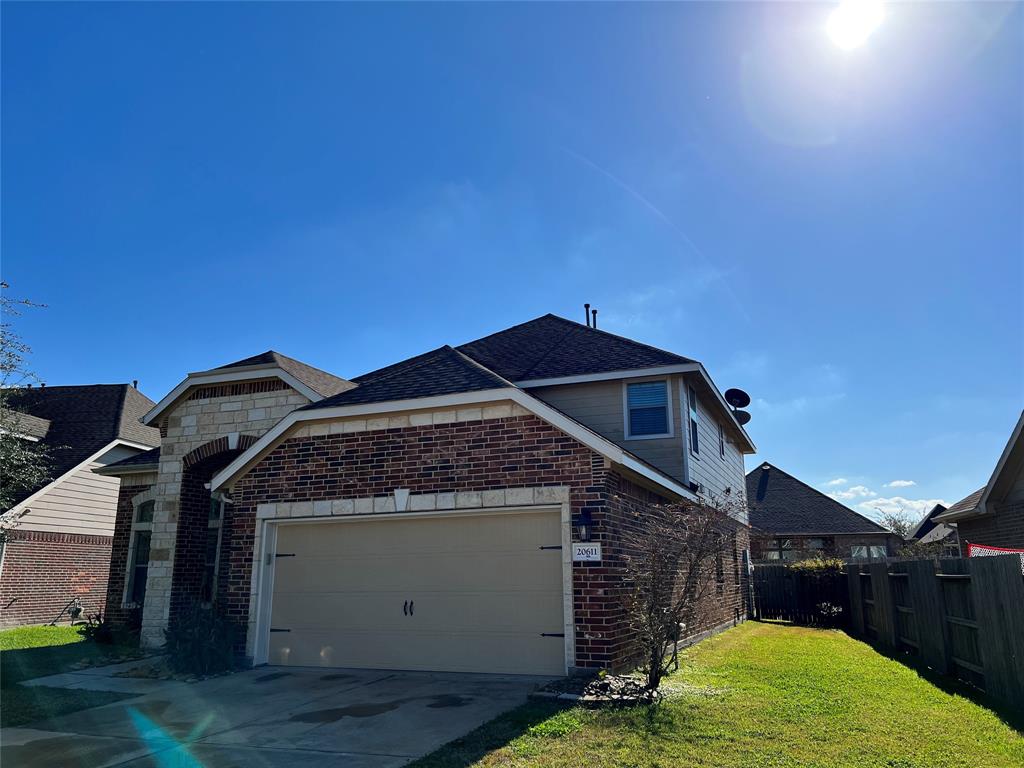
{"points": [[691, 398], [647, 410]]}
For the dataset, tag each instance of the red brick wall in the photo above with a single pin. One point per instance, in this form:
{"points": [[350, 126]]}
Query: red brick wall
{"points": [[521, 451], [1003, 528], [43, 571], [115, 613]]}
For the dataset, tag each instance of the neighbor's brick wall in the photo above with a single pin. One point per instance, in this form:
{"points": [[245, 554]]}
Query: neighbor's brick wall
{"points": [[519, 451], [1003, 528], [838, 545], [43, 571]]}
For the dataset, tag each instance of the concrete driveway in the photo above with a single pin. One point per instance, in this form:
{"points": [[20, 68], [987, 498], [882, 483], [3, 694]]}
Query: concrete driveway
{"points": [[270, 716]]}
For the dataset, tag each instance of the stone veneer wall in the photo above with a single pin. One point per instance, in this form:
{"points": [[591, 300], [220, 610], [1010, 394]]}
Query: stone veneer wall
{"points": [[456, 459], [245, 409]]}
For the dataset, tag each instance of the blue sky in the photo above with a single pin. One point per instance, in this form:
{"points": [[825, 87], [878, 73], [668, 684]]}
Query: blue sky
{"points": [[838, 232]]}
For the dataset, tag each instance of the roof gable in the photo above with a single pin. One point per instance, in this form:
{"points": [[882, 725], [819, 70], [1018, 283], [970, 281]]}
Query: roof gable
{"points": [[779, 503], [553, 347], [321, 382], [927, 523]]}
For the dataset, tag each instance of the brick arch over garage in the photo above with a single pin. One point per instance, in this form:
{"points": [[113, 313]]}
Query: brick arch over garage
{"points": [[197, 541]]}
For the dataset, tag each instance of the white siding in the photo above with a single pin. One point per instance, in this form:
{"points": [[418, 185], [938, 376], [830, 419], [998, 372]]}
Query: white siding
{"points": [[84, 502], [599, 405], [714, 473]]}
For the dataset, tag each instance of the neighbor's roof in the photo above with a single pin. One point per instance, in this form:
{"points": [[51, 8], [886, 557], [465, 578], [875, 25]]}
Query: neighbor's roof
{"points": [[927, 524], [321, 382], [84, 419], [965, 506], [553, 347], [781, 504], [26, 424], [444, 371]]}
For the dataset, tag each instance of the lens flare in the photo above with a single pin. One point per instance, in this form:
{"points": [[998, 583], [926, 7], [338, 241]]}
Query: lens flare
{"points": [[851, 24]]}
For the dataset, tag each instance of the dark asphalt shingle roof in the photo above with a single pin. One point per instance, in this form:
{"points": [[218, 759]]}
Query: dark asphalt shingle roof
{"points": [[967, 503], [779, 503], [85, 418], [321, 382], [443, 371], [551, 347]]}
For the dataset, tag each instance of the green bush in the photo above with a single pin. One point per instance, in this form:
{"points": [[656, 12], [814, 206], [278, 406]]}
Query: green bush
{"points": [[100, 631], [201, 641], [816, 565]]}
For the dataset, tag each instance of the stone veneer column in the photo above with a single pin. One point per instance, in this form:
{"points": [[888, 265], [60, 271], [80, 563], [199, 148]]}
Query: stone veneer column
{"points": [[190, 424]]}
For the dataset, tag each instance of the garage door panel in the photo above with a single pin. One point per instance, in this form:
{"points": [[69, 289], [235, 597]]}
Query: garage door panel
{"points": [[527, 570], [483, 592], [493, 651]]}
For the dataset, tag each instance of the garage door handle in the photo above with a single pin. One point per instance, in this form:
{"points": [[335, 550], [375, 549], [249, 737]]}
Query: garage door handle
{"points": [[405, 608], [411, 604]]}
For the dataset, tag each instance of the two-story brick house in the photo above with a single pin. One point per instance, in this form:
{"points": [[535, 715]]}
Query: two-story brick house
{"points": [[422, 516]]}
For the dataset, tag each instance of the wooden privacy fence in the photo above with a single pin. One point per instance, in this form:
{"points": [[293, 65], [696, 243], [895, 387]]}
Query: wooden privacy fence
{"points": [[961, 617], [812, 597]]}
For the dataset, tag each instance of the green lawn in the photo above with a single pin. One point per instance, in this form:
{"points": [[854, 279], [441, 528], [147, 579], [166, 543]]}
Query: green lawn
{"points": [[28, 652], [760, 695]]}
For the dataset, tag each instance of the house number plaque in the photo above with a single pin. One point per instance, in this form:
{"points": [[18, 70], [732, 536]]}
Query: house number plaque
{"points": [[586, 552]]}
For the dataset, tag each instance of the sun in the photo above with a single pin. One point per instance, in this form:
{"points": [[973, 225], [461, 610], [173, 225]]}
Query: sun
{"points": [[851, 24]]}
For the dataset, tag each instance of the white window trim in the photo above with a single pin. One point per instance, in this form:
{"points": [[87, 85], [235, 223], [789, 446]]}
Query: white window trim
{"points": [[129, 574], [694, 451], [217, 523], [668, 408]]}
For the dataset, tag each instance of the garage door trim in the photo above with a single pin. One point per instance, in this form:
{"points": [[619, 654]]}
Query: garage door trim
{"points": [[264, 574]]}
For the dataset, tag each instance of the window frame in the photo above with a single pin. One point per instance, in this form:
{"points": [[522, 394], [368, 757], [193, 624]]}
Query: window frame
{"points": [[693, 415], [669, 415], [130, 565], [212, 523]]}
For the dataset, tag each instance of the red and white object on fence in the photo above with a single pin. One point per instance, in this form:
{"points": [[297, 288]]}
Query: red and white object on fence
{"points": [[983, 550]]}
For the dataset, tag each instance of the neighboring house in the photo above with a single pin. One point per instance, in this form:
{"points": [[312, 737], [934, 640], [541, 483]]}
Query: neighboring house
{"points": [[60, 534], [934, 534], [790, 520], [422, 516], [993, 516]]}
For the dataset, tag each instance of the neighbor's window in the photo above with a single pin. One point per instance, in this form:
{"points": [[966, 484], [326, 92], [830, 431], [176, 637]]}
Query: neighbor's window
{"points": [[721, 441], [647, 411], [815, 543], [782, 549], [873, 552], [211, 555], [694, 437], [138, 556]]}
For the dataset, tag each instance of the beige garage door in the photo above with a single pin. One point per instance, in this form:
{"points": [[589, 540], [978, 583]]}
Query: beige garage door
{"points": [[462, 593]]}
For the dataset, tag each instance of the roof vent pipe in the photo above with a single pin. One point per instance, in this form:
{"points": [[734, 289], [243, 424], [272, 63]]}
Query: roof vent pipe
{"points": [[586, 314], [135, 383], [594, 313]]}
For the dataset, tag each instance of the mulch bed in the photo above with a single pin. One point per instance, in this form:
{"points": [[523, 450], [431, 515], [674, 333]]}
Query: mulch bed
{"points": [[597, 691]]}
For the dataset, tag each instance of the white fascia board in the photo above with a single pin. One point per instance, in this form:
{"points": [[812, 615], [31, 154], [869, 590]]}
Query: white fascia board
{"points": [[1001, 464], [574, 429], [89, 460], [131, 469], [634, 373], [224, 377]]}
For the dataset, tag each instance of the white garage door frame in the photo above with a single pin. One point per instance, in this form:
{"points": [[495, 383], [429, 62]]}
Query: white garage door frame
{"points": [[267, 547]]}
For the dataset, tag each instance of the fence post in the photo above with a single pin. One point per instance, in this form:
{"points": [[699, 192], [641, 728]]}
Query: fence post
{"points": [[998, 591]]}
